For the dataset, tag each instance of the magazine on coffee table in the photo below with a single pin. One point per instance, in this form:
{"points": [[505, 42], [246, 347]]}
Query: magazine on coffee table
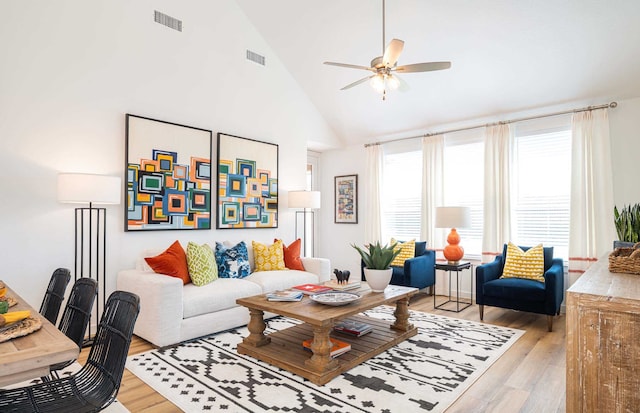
{"points": [[339, 347], [285, 295], [311, 288], [335, 285], [353, 328]]}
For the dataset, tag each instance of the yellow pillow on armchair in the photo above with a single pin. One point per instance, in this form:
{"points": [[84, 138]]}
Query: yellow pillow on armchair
{"points": [[524, 264], [407, 250]]}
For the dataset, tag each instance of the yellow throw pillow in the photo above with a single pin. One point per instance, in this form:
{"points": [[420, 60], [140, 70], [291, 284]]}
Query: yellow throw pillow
{"points": [[268, 258], [407, 250], [521, 264]]}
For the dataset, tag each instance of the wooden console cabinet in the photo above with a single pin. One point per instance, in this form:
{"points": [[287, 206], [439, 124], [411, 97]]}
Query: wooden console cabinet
{"points": [[603, 341]]}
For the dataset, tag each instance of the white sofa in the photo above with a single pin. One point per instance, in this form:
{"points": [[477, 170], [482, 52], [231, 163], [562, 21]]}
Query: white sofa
{"points": [[171, 312]]}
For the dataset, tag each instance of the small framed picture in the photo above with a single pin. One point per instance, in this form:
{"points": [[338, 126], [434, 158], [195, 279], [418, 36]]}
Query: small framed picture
{"points": [[346, 199]]}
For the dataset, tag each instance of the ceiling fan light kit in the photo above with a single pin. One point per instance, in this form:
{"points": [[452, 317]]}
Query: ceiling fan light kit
{"points": [[383, 66]]}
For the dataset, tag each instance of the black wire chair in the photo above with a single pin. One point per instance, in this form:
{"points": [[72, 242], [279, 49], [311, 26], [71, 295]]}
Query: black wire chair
{"points": [[96, 384], [54, 295], [76, 317]]}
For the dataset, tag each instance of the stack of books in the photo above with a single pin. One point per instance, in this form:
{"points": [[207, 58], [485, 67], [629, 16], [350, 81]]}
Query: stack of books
{"points": [[338, 348], [285, 295], [311, 288], [352, 328], [335, 285]]}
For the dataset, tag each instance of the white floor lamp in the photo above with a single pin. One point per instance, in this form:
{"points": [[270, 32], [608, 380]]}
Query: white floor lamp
{"points": [[307, 201], [90, 227]]}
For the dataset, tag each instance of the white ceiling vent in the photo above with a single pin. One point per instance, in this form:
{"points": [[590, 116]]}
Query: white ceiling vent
{"points": [[166, 20], [256, 58]]}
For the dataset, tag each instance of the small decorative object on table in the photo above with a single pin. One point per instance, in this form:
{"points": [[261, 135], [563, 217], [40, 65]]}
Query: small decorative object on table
{"points": [[625, 260], [342, 276], [335, 298]]}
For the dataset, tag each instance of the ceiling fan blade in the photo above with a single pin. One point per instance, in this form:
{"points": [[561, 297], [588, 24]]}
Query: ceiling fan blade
{"points": [[392, 52], [357, 82], [423, 67], [347, 65], [402, 85]]}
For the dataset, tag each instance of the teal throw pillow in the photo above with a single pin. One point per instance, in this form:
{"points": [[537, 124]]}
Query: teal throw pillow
{"points": [[202, 265], [233, 262]]}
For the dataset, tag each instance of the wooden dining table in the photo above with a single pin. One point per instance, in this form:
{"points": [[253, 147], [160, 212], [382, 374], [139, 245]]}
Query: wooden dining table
{"points": [[30, 356]]}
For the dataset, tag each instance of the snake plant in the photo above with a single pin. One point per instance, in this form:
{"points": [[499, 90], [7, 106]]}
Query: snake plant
{"points": [[376, 256], [627, 222]]}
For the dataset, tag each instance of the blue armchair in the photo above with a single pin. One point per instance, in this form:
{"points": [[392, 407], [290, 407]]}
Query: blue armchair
{"points": [[519, 293], [418, 272]]}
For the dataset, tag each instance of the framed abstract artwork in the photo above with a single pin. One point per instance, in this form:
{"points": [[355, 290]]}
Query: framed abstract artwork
{"points": [[247, 195], [168, 170], [346, 199]]}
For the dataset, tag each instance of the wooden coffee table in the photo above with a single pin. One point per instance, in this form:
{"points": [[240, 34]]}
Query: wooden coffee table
{"points": [[284, 348]]}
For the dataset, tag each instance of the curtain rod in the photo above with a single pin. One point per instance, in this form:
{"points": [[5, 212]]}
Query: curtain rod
{"points": [[504, 122]]}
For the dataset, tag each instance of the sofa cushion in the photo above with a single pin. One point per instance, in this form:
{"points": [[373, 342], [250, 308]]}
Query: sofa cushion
{"points": [[172, 262], [218, 295], [515, 289], [292, 258], [271, 281], [233, 262], [202, 263], [268, 257]]}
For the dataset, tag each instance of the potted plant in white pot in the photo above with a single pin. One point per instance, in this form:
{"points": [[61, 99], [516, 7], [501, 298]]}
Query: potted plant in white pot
{"points": [[627, 222], [377, 261]]}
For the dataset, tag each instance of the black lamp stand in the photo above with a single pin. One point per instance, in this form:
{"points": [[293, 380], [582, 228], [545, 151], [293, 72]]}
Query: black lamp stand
{"points": [[90, 255]]}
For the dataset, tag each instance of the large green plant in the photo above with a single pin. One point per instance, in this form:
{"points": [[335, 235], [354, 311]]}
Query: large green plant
{"points": [[627, 222], [376, 256]]}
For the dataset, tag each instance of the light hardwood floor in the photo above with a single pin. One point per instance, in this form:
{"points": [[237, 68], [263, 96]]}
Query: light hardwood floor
{"points": [[529, 377]]}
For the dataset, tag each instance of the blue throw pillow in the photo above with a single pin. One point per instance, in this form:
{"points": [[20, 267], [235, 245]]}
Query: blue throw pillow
{"points": [[232, 262]]}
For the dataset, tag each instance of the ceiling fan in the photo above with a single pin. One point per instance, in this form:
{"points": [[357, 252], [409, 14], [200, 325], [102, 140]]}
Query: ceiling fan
{"points": [[385, 67]]}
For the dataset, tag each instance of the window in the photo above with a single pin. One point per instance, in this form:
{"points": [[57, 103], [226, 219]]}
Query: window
{"points": [[463, 185], [541, 190], [401, 199]]}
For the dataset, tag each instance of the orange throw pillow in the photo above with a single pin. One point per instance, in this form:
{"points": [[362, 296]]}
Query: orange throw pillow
{"points": [[292, 255], [172, 262]]}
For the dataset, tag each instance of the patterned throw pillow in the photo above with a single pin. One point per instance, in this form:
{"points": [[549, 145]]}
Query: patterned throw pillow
{"points": [[202, 264], [233, 262], [268, 258], [172, 262], [407, 250], [292, 255], [524, 264]]}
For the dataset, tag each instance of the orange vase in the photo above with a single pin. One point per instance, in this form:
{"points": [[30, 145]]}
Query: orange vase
{"points": [[453, 252]]}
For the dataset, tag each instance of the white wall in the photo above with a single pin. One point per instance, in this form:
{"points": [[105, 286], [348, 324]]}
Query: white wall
{"points": [[72, 69], [625, 142]]}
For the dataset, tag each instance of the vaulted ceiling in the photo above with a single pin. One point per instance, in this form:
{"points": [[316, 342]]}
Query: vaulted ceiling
{"points": [[507, 56]]}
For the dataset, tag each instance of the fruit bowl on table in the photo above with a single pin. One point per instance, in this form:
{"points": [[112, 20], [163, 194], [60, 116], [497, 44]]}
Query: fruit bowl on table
{"points": [[335, 298]]}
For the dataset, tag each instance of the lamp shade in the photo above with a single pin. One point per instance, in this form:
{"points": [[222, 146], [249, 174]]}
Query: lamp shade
{"points": [[304, 199], [453, 217], [85, 188]]}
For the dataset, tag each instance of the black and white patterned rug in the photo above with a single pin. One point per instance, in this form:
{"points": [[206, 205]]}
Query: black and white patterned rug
{"points": [[427, 372]]}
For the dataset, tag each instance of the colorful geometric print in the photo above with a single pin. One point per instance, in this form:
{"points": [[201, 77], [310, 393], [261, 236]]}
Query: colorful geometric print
{"points": [[162, 194], [247, 188]]}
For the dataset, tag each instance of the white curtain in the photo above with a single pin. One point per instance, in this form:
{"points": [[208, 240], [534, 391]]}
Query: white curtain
{"points": [[591, 228], [372, 215], [497, 194], [432, 184]]}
